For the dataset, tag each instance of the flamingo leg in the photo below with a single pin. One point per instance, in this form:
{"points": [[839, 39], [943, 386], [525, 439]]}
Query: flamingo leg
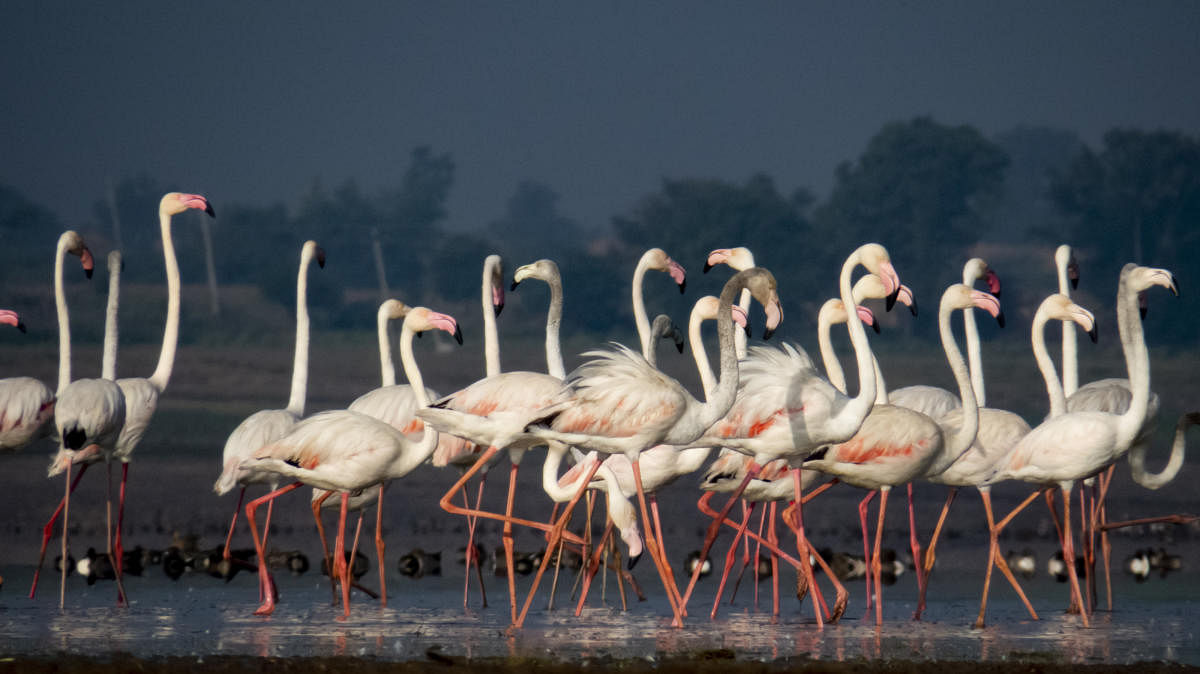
{"points": [[862, 521], [380, 548], [557, 533], [702, 504], [655, 552], [762, 519], [731, 556], [752, 471], [1069, 553], [803, 547], [266, 585], [48, 530], [232, 522], [507, 538], [662, 548], [876, 565], [112, 559], [118, 547], [316, 511], [593, 566], [914, 544], [926, 567], [341, 568], [773, 538], [62, 587], [472, 558], [994, 549]]}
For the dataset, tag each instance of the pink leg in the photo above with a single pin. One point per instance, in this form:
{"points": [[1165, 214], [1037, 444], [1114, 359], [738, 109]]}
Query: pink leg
{"points": [[118, 547], [62, 587], [341, 568], [926, 567], [266, 585], [232, 523], [471, 557], [48, 530], [655, 552], [915, 546], [876, 565], [594, 566], [730, 557], [862, 520], [1069, 554], [774, 540], [752, 470], [803, 548], [662, 549], [316, 511], [380, 548], [507, 537]]}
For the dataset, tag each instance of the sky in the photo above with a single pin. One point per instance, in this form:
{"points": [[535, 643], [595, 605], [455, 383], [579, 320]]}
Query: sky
{"points": [[252, 102]]}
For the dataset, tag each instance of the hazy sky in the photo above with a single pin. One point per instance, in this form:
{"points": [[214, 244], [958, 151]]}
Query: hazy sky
{"points": [[252, 101]]}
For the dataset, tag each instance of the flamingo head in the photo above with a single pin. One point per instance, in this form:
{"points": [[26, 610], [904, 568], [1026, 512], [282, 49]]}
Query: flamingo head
{"points": [[1059, 307], [73, 243], [875, 258], [313, 251], [393, 309], [871, 287], [705, 309], [664, 328], [657, 259], [763, 287], [544, 269], [1143, 278], [9, 317], [739, 258], [493, 272], [633, 539], [421, 319], [174, 203], [961, 296]]}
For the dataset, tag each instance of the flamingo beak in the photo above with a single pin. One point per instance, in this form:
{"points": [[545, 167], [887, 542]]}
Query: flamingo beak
{"points": [[320, 258], [715, 258], [890, 280], [86, 261], [1000, 318], [678, 274], [1143, 306], [906, 297], [497, 299], [1073, 272], [458, 335], [774, 318], [1093, 334], [633, 560], [993, 283]]}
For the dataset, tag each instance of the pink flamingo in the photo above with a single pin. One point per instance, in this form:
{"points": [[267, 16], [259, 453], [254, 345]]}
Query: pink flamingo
{"points": [[346, 452]]}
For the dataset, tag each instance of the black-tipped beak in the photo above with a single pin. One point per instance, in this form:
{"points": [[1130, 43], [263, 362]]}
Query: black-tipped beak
{"points": [[1074, 282], [514, 285], [679, 346], [633, 561], [891, 299], [498, 308], [321, 258], [209, 209], [767, 333], [875, 326], [747, 328], [1000, 318], [683, 286], [1175, 287], [21, 327], [1142, 311], [88, 272], [707, 266], [1094, 334], [913, 307], [458, 334]]}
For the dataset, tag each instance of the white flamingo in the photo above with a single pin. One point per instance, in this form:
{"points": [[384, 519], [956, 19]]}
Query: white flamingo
{"points": [[266, 426], [346, 452], [1076, 445]]}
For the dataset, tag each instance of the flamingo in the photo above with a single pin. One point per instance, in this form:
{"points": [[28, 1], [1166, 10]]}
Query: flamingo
{"points": [[784, 409], [346, 451], [27, 404], [88, 413], [266, 426], [1075, 445], [141, 395], [998, 432], [617, 403], [897, 445]]}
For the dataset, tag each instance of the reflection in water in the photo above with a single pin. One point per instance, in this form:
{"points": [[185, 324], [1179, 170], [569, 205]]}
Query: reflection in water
{"points": [[169, 619]]}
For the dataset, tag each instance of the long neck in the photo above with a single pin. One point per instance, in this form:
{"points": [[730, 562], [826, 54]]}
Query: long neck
{"points": [[387, 368], [1137, 459], [701, 415], [554, 357], [554, 456], [166, 357], [64, 319], [858, 408], [491, 338], [1137, 362], [108, 369], [1070, 353], [739, 336], [881, 393], [833, 367], [424, 448], [1054, 388], [974, 356], [639, 308], [708, 380], [965, 435], [300, 358]]}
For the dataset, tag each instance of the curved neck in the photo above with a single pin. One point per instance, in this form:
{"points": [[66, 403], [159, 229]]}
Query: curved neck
{"points": [[639, 308], [965, 435], [300, 357], [166, 357], [739, 336], [881, 393], [833, 367], [554, 357], [701, 415], [860, 405], [1054, 388], [974, 356], [64, 319], [1070, 352], [554, 456], [1137, 362], [491, 338], [108, 369], [708, 380], [387, 367], [1137, 458]]}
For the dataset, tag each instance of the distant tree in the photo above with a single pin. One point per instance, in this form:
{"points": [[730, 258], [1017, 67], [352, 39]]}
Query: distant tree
{"points": [[341, 222], [414, 211], [28, 232], [532, 227], [921, 188], [456, 267], [1026, 208], [1137, 199]]}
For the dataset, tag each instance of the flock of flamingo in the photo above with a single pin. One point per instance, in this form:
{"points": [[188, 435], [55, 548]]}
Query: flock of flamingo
{"points": [[778, 425]]}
